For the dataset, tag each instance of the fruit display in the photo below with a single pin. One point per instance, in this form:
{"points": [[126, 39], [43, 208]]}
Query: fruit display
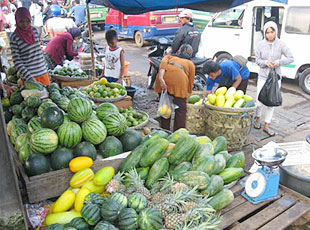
{"points": [[104, 90], [13, 75], [230, 98], [133, 117], [67, 72], [48, 133], [195, 100]]}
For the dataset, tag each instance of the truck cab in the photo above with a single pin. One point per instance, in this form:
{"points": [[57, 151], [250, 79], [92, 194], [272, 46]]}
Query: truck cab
{"points": [[143, 27], [237, 31], [97, 15]]}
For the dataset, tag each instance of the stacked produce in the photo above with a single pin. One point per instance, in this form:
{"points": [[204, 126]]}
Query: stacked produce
{"points": [[12, 75], [67, 72], [230, 98], [102, 89], [133, 117], [48, 133], [195, 116]]}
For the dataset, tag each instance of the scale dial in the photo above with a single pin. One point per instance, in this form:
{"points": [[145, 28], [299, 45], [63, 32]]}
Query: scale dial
{"points": [[255, 185]]}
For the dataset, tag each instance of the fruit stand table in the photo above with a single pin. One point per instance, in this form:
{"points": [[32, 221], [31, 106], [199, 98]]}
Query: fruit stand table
{"points": [[277, 214]]}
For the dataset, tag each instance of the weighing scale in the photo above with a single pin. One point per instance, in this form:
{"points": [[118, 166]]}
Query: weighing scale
{"points": [[263, 185]]}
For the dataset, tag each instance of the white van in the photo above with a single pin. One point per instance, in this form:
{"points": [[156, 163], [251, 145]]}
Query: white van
{"points": [[238, 30]]}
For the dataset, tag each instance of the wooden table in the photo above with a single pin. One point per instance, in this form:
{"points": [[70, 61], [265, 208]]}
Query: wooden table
{"points": [[269, 215]]}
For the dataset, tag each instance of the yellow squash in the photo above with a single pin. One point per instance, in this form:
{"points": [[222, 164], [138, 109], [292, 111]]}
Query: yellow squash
{"points": [[104, 175], [61, 217], [230, 92], [64, 202], [220, 100], [211, 98], [79, 200], [230, 101], [222, 90], [81, 177], [90, 185], [239, 94], [80, 163]]}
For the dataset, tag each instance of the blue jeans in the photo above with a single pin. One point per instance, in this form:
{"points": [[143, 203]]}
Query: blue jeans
{"points": [[111, 79]]}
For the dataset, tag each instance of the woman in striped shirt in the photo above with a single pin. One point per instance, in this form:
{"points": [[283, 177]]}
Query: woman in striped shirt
{"points": [[26, 52]]}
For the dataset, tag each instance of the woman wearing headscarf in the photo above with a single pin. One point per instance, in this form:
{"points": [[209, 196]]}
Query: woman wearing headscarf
{"points": [[176, 75], [26, 52], [61, 46], [269, 55]]}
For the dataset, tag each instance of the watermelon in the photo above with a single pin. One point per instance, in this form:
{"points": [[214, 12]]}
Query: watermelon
{"points": [[44, 106], [110, 147], [94, 131], [7, 116], [44, 141], [130, 139], [52, 118], [33, 101], [17, 109], [60, 158], [53, 86], [115, 123], [16, 98], [79, 110], [69, 134], [20, 141], [24, 152], [34, 124], [37, 164], [16, 131], [85, 149], [28, 113], [63, 103], [105, 109], [12, 123]]}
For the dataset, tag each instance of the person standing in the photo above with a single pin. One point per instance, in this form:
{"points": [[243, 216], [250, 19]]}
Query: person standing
{"points": [[61, 46], [36, 14], [79, 13], [176, 75], [26, 3], [26, 52], [269, 54], [187, 34]]}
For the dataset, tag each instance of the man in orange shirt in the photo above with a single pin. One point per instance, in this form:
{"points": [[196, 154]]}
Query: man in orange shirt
{"points": [[176, 75]]}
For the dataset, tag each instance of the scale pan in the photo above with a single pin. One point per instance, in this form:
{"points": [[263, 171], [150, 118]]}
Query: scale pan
{"points": [[267, 158]]}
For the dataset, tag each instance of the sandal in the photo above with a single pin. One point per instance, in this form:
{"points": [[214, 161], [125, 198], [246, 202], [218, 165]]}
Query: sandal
{"points": [[257, 124], [270, 132]]}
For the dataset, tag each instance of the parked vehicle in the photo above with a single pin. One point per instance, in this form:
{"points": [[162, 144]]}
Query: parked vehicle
{"points": [[237, 31], [98, 15], [201, 19], [143, 27], [159, 51]]}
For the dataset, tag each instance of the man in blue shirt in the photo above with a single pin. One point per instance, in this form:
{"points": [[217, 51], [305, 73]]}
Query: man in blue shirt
{"points": [[227, 73], [79, 13]]}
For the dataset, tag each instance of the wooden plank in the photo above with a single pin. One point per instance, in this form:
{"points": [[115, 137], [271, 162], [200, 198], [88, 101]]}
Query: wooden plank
{"points": [[268, 213], [76, 84], [299, 195], [288, 217], [237, 201], [237, 189], [240, 211]]}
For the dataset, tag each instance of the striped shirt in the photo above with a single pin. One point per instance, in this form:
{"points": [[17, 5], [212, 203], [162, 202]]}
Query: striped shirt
{"points": [[28, 59]]}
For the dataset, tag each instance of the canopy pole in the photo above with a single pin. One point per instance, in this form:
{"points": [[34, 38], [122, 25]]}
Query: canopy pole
{"points": [[91, 43]]}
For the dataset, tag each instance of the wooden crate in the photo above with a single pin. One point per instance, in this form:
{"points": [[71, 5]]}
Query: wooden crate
{"points": [[269, 215], [76, 84], [54, 183], [124, 103]]}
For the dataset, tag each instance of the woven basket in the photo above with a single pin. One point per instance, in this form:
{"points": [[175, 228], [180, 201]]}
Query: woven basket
{"points": [[233, 124], [195, 119]]}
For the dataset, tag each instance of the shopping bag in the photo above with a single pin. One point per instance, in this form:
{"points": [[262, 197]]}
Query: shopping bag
{"points": [[165, 106], [270, 94]]}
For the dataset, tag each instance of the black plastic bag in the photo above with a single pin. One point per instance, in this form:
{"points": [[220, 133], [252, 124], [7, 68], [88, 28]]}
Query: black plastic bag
{"points": [[270, 94]]}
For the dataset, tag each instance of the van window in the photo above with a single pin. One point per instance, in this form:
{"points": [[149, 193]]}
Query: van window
{"points": [[229, 18], [298, 20]]}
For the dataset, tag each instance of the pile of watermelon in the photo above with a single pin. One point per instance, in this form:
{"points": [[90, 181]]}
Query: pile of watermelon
{"points": [[48, 133]]}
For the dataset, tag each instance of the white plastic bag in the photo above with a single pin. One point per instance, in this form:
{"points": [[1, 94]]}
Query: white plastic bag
{"points": [[165, 107]]}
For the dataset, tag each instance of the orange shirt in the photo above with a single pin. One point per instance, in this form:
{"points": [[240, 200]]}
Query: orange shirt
{"points": [[179, 81]]}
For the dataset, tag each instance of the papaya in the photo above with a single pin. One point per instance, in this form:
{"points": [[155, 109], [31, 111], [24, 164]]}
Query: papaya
{"points": [[222, 199], [169, 149], [203, 162], [219, 144], [143, 172], [231, 174], [236, 161], [204, 139], [132, 160], [179, 169], [174, 137], [195, 178], [154, 151], [225, 154], [157, 171], [216, 185], [219, 164]]}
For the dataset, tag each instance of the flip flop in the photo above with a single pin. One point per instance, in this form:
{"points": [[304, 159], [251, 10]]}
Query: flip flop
{"points": [[270, 132], [257, 124]]}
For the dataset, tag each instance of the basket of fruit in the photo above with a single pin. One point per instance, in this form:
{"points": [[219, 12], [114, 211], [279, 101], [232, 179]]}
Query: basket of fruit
{"points": [[229, 113], [68, 74], [103, 91], [195, 119], [135, 119]]}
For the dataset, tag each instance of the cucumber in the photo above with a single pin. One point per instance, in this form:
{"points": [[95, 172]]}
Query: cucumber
{"points": [[143, 172], [180, 169], [236, 161], [226, 155], [153, 152], [132, 160], [203, 162], [157, 171], [222, 199], [216, 185], [219, 164], [195, 178], [231, 174]]}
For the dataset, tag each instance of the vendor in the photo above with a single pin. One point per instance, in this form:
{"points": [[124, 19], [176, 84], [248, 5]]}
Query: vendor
{"points": [[26, 52], [176, 75], [61, 46], [227, 73]]}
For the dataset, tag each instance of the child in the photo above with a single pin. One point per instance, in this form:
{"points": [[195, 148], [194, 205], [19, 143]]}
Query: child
{"points": [[114, 58]]}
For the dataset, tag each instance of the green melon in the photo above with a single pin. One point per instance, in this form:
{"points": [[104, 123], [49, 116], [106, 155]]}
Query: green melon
{"points": [[17, 130], [110, 147], [52, 118], [115, 123], [60, 158], [130, 139], [94, 131], [37, 164], [69, 134], [12, 123], [24, 152], [28, 113], [33, 101], [85, 149], [20, 141], [79, 110], [44, 106], [44, 141], [105, 109], [34, 124], [17, 109]]}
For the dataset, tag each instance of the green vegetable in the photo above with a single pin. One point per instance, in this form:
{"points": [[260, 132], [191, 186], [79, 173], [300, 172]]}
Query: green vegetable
{"points": [[153, 152], [157, 171], [236, 161], [195, 178], [231, 174], [222, 199], [216, 185], [132, 160], [219, 144]]}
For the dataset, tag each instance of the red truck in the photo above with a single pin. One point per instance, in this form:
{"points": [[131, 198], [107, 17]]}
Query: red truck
{"points": [[143, 27]]}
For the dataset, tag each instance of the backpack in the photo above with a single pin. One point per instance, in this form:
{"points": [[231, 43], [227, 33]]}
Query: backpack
{"points": [[242, 61]]}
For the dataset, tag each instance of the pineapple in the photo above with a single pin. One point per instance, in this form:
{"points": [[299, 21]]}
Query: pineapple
{"points": [[158, 197], [161, 207], [174, 220], [115, 185], [137, 184], [187, 206], [178, 187]]}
